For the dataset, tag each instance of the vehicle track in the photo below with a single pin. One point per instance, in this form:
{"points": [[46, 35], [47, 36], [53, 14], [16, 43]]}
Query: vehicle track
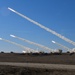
{"points": [[40, 65]]}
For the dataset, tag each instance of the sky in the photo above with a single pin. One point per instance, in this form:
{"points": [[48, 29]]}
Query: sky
{"points": [[58, 15]]}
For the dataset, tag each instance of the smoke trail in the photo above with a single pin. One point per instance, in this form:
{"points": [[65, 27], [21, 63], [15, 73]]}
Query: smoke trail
{"points": [[26, 48], [30, 42], [43, 27], [62, 45]]}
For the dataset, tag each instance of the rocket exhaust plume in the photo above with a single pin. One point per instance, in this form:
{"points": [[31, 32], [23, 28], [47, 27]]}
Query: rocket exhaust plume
{"points": [[53, 42], [30, 42], [68, 49], [11, 9], [43, 27], [26, 48], [0, 38]]}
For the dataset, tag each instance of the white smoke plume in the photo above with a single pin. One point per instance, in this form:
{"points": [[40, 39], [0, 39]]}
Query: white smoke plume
{"points": [[26, 48], [43, 27], [30, 42], [68, 49]]}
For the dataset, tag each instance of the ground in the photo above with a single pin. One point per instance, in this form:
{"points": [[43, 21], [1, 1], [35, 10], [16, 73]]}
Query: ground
{"points": [[52, 59], [35, 58]]}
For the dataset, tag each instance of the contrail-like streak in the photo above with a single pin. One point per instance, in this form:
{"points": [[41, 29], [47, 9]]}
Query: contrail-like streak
{"points": [[24, 47], [68, 49], [43, 27], [30, 42]]}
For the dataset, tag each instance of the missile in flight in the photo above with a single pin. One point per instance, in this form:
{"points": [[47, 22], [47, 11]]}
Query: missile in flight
{"points": [[27, 49], [43, 27], [30, 42]]}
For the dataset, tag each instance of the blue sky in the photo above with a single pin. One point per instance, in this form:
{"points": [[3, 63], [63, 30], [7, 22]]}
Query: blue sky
{"points": [[58, 15]]}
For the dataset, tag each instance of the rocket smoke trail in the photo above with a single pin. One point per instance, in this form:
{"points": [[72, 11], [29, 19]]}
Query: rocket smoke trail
{"points": [[43, 27], [68, 49], [30, 42], [26, 48]]}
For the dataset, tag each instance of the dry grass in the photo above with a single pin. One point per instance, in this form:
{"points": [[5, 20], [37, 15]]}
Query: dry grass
{"points": [[10, 70]]}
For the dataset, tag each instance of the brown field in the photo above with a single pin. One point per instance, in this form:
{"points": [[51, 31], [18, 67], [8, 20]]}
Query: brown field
{"points": [[35, 58]]}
